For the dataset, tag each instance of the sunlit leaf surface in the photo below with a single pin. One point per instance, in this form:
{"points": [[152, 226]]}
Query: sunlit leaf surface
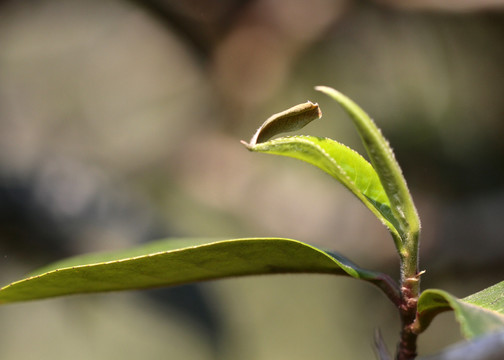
{"points": [[385, 164], [174, 262], [341, 162]]}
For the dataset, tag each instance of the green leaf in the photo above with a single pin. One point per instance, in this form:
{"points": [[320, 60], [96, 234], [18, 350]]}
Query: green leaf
{"points": [[162, 264], [342, 163], [477, 314], [386, 166]]}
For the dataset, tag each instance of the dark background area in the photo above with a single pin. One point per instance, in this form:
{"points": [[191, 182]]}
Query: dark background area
{"points": [[120, 123]]}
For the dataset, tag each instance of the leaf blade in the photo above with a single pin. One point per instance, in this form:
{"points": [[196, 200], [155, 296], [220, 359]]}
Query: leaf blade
{"points": [[385, 164], [343, 164], [478, 314], [205, 261]]}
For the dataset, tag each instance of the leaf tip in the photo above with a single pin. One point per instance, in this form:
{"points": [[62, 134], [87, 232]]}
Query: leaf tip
{"points": [[246, 144], [325, 89]]}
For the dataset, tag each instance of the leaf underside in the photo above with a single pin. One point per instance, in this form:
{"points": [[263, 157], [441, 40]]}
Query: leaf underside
{"points": [[174, 262], [292, 119], [478, 314]]}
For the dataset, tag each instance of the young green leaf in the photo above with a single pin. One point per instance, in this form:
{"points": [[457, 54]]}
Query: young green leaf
{"points": [[169, 263], [477, 314], [386, 166], [342, 163]]}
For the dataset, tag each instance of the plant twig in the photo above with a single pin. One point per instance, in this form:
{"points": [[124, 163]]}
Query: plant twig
{"points": [[410, 289]]}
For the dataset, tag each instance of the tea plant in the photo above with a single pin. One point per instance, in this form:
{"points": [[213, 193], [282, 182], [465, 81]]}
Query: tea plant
{"points": [[379, 184]]}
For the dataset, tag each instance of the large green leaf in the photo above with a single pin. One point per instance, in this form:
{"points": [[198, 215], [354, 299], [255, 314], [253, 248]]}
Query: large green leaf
{"points": [[170, 262], [477, 314], [341, 162], [385, 164]]}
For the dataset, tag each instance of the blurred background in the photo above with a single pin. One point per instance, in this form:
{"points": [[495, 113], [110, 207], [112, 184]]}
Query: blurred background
{"points": [[120, 123]]}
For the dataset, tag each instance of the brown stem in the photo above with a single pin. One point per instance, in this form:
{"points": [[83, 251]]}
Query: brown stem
{"points": [[388, 286], [407, 346], [406, 349]]}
